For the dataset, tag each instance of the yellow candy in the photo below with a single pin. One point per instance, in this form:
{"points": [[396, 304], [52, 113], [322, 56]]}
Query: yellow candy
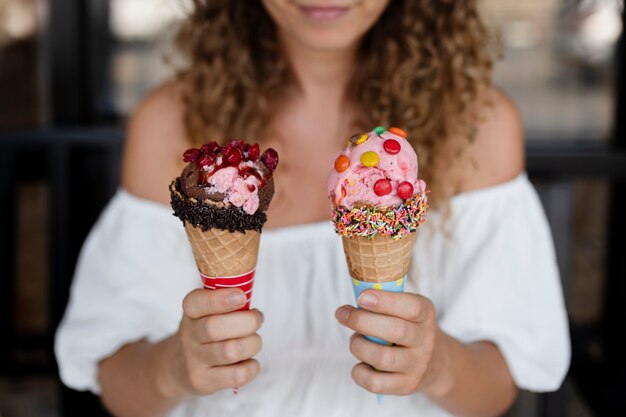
{"points": [[362, 139], [369, 159], [378, 286]]}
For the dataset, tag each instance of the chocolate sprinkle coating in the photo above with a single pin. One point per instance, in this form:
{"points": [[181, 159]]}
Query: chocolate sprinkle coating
{"points": [[208, 215]]}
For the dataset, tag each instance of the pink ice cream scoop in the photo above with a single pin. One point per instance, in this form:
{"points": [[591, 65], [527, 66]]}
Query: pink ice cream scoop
{"points": [[378, 168]]}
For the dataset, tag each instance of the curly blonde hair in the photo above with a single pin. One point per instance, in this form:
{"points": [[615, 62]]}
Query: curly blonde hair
{"points": [[422, 67]]}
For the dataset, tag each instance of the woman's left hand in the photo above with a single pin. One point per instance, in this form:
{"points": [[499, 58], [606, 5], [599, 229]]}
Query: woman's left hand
{"points": [[410, 322]]}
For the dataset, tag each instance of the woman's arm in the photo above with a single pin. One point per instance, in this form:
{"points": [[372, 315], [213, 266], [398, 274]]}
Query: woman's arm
{"points": [[211, 351], [478, 379], [141, 378], [465, 379]]}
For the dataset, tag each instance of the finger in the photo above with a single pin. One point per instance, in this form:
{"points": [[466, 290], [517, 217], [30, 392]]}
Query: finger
{"points": [[383, 382], [391, 329], [202, 302], [383, 358], [232, 350], [207, 381], [226, 326], [407, 306]]}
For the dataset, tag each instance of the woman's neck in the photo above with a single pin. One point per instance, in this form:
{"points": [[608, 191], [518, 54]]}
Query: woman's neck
{"points": [[321, 75]]}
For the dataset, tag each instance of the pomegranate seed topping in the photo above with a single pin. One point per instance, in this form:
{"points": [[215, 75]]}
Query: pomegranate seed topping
{"points": [[237, 144], [210, 147], [191, 155], [205, 160], [254, 152], [233, 156], [270, 159]]}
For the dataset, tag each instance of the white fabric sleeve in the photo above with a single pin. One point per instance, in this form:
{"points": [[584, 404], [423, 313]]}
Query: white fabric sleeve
{"points": [[126, 287], [501, 283]]}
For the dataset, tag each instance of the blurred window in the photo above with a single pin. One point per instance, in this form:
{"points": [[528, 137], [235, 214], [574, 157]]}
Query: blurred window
{"points": [[143, 32], [558, 63], [21, 69]]}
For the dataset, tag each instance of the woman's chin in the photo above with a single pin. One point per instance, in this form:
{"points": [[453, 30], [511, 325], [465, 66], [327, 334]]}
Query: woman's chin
{"points": [[325, 40]]}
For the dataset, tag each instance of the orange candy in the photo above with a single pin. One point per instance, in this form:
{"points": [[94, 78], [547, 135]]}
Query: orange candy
{"points": [[342, 163], [397, 131]]}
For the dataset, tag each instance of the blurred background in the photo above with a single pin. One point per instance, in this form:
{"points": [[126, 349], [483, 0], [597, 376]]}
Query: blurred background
{"points": [[71, 71]]}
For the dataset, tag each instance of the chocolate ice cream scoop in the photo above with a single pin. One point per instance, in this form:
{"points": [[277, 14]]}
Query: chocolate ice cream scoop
{"points": [[228, 187]]}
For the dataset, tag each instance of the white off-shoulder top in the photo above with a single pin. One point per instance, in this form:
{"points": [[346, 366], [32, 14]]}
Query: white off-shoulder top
{"points": [[489, 268]]}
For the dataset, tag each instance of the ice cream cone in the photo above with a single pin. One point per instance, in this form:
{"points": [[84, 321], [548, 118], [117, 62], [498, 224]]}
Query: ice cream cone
{"points": [[378, 202], [221, 197], [223, 253], [225, 259], [378, 259]]}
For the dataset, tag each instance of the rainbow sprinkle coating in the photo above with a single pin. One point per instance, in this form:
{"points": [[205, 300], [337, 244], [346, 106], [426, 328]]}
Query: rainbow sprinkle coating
{"points": [[371, 221]]}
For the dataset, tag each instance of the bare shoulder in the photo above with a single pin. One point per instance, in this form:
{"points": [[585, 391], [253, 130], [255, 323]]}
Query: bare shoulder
{"points": [[155, 139], [497, 153]]}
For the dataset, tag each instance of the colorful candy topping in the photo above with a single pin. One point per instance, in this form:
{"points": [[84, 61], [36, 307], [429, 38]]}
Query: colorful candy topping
{"points": [[382, 187], [369, 222], [352, 140], [405, 190], [397, 131], [369, 159], [361, 139], [212, 157], [342, 163], [391, 146]]}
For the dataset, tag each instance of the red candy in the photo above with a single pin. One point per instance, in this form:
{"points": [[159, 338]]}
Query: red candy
{"points": [[391, 146], [382, 187], [270, 159], [397, 131], [405, 190]]}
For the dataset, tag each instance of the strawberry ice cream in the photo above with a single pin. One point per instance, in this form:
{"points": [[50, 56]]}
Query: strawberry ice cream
{"points": [[235, 174], [377, 169]]}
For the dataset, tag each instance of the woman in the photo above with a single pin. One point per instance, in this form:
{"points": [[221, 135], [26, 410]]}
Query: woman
{"points": [[484, 313]]}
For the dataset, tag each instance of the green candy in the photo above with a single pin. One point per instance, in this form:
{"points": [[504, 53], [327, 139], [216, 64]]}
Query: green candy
{"points": [[379, 129]]}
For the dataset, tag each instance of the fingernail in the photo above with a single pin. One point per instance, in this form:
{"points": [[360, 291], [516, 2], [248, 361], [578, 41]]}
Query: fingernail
{"points": [[262, 316], [368, 299], [342, 314], [235, 298]]}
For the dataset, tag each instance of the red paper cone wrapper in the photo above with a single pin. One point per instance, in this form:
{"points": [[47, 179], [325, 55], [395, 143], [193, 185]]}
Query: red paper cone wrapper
{"points": [[243, 282]]}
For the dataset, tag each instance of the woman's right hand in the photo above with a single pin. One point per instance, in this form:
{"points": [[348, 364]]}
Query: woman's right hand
{"points": [[216, 342]]}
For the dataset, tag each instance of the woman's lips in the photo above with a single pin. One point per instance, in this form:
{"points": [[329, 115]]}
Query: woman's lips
{"points": [[323, 13]]}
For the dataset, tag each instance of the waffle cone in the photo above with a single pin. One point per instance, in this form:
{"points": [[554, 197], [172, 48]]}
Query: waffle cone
{"points": [[220, 253], [380, 259]]}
